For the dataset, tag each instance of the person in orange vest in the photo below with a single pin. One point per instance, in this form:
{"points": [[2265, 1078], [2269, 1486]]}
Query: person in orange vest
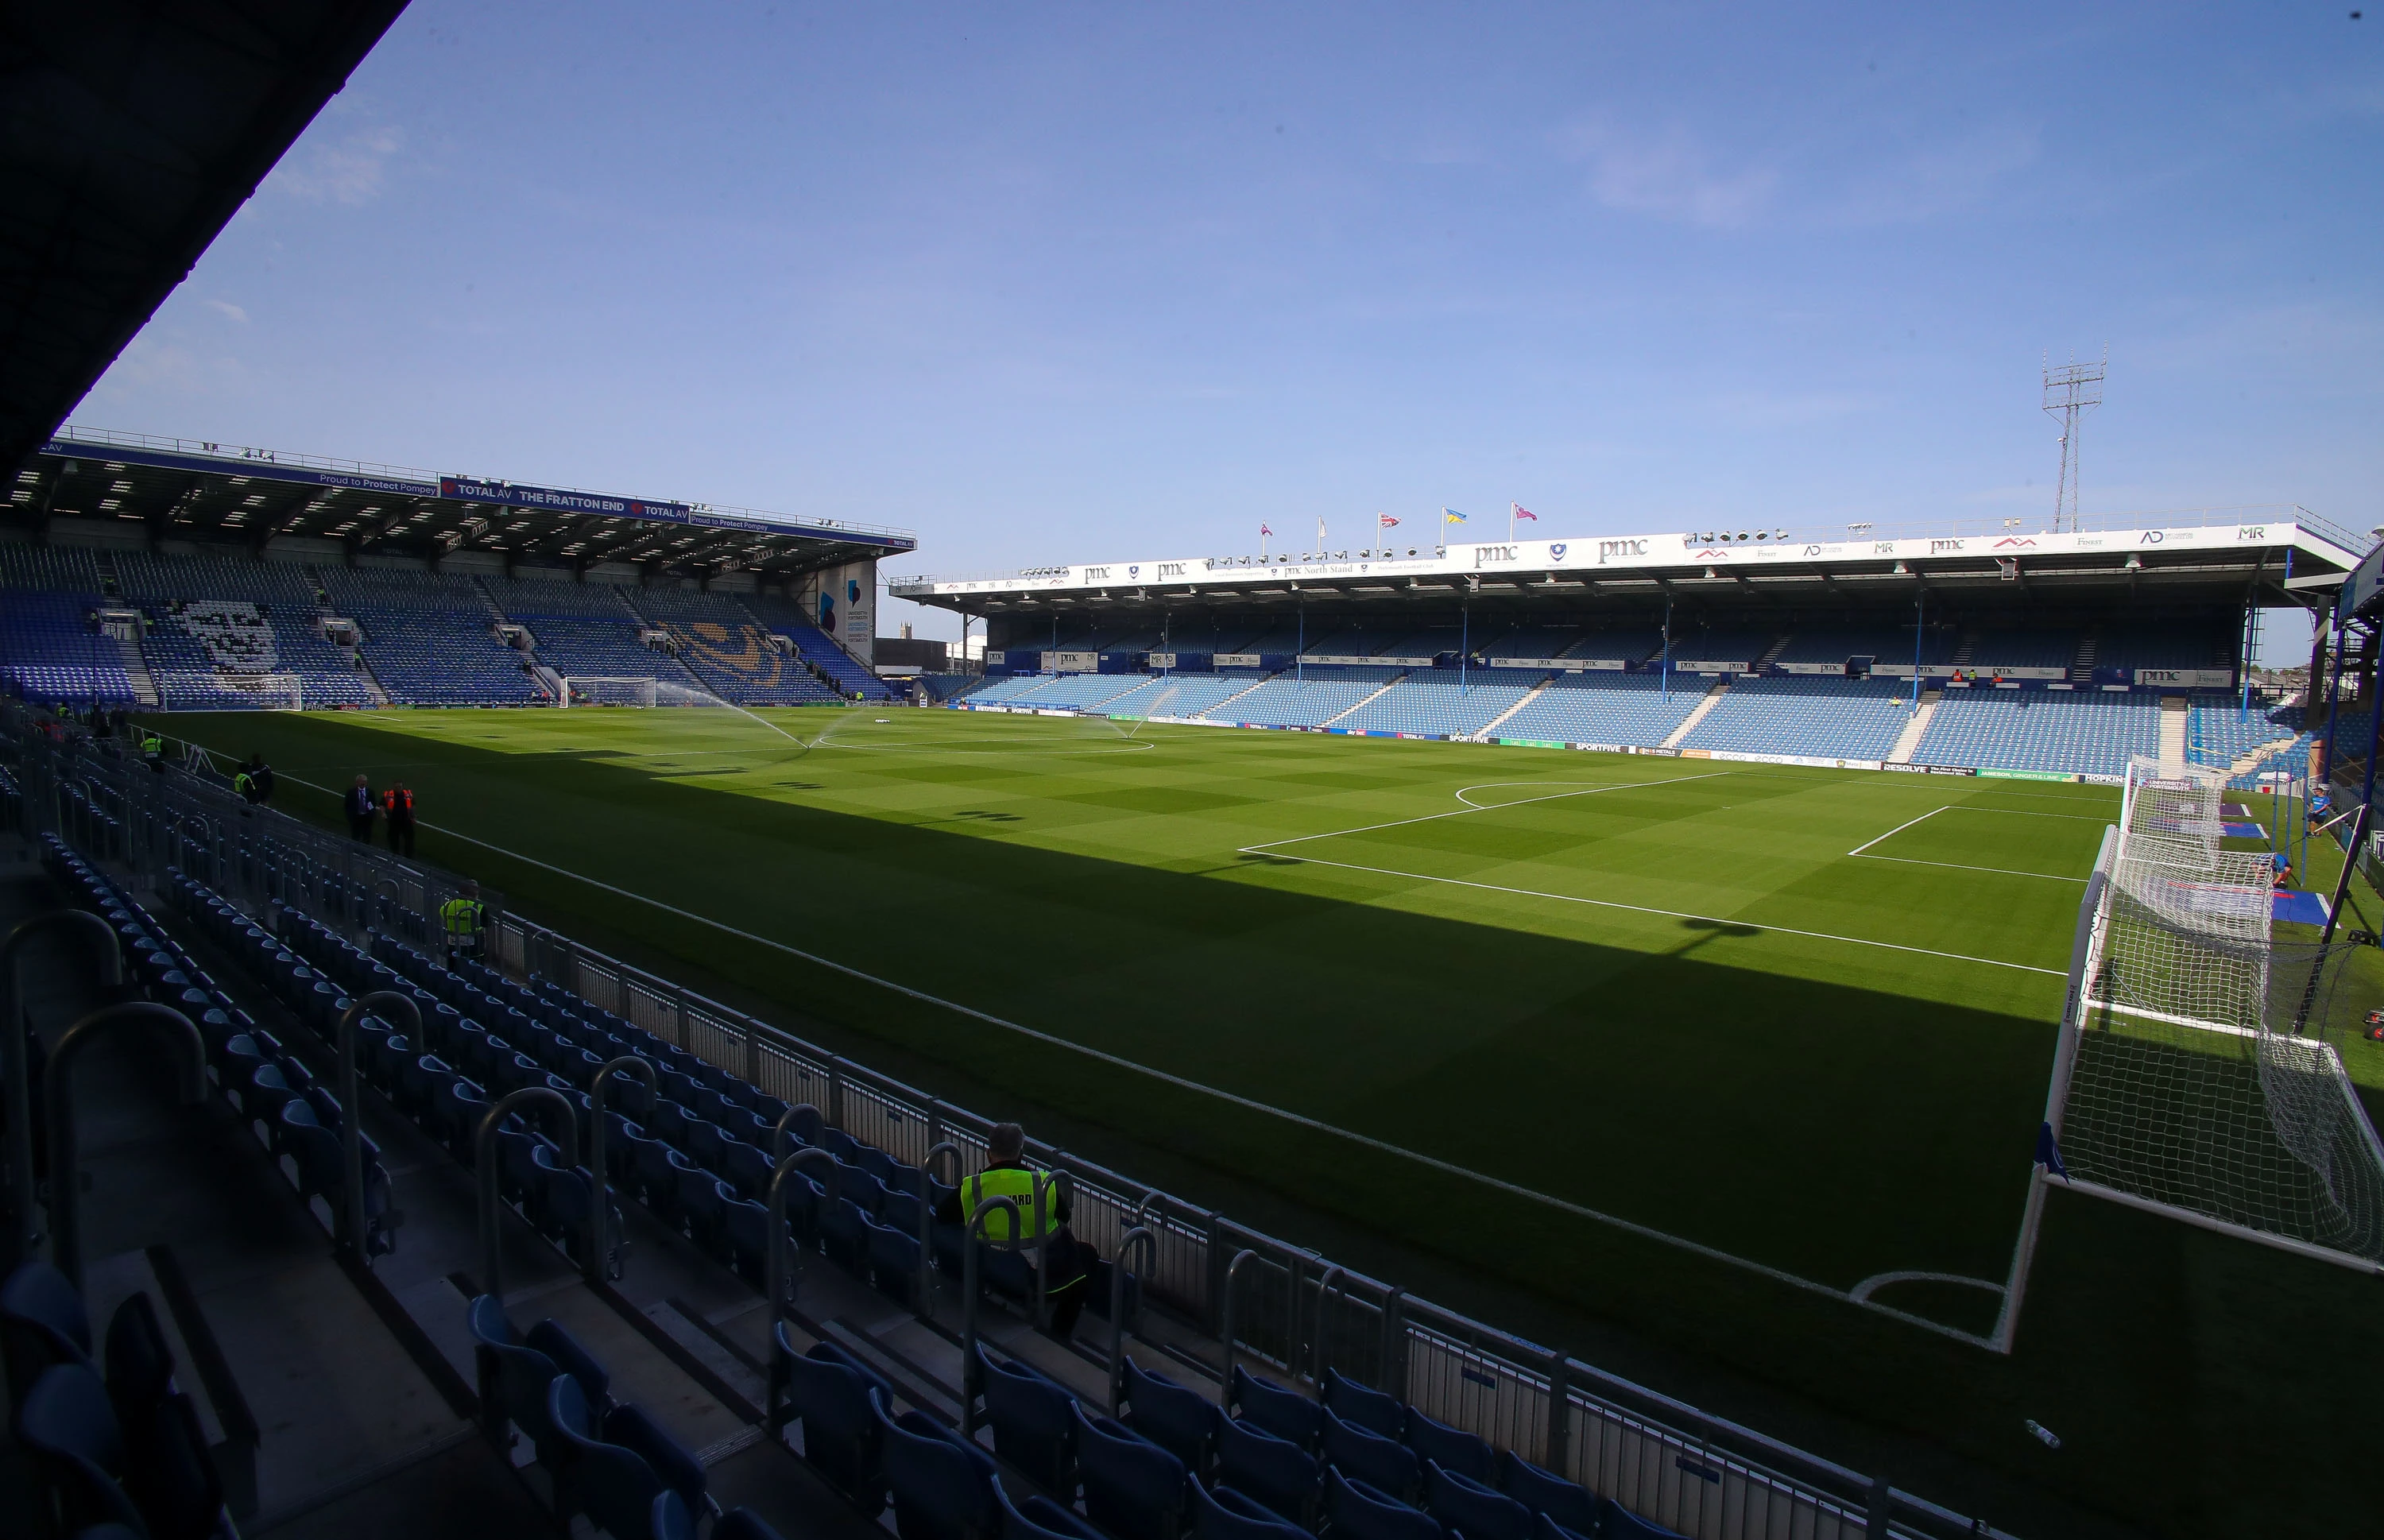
{"points": [[397, 806]]}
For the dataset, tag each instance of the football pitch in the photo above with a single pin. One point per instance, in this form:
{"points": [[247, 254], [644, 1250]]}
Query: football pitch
{"points": [[1710, 1047]]}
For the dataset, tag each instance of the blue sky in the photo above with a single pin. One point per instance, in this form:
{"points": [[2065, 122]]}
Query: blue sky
{"points": [[1068, 283]]}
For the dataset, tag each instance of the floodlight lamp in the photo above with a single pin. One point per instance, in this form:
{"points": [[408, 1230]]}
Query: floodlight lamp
{"points": [[2135, 563], [1901, 571]]}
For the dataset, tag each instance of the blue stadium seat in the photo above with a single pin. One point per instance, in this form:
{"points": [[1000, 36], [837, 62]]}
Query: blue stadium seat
{"points": [[1358, 1511], [827, 1393], [1451, 1448], [1365, 1455], [1473, 1509], [1039, 1518], [1274, 1470], [603, 1474], [1033, 1420], [1284, 1414], [942, 1487], [1548, 1495], [1172, 1416], [1225, 1514], [1364, 1406], [42, 1324], [1618, 1522], [1134, 1489], [66, 1424]]}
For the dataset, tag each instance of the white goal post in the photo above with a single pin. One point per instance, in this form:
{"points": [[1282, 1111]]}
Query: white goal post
{"points": [[2199, 1071], [269, 691], [630, 690]]}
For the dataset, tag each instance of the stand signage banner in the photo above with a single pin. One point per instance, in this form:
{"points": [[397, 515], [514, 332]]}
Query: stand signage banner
{"points": [[2027, 776]]}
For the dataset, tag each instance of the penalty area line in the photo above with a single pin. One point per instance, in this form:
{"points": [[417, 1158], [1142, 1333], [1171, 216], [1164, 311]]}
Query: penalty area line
{"points": [[1300, 1120]]}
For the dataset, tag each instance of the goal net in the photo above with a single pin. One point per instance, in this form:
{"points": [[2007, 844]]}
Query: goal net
{"points": [[233, 692], [2201, 1067], [630, 690]]}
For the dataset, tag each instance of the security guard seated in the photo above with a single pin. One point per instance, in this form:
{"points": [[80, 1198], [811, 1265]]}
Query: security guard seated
{"points": [[1068, 1262], [460, 919]]}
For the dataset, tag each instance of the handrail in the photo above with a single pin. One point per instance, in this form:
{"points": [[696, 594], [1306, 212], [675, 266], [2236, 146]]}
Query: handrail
{"points": [[600, 1219], [1225, 1316], [484, 1170], [1140, 1234], [65, 1185], [926, 1285], [16, 1055], [351, 1122], [1333, 1272], [777, 1245], [786, 1123], [972, 1377]]}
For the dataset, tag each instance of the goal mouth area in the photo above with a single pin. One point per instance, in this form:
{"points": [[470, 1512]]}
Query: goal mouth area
{"points": [[273, 691], [629, 690]]}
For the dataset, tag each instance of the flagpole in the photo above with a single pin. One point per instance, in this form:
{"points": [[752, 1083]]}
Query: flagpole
{"points": [[1510, 522]]}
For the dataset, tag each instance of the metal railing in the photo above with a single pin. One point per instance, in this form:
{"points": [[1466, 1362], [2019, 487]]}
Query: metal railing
{"points": [[1291, 1310]]}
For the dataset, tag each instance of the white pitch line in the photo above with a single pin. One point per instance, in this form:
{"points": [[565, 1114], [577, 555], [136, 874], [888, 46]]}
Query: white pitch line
{"points": [[1958, 866], [1270, 850], [1670, 913], [1589, 788], [1898, 829]]}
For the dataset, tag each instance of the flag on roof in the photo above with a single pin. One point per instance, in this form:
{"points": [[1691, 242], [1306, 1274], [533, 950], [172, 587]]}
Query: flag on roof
{"points": [[1521, 512], [1386, 521], [1264, 530], [1450, 516]]}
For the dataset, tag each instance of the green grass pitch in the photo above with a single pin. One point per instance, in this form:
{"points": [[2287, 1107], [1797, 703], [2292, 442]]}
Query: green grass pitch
{"points": [[1690, 1044]]}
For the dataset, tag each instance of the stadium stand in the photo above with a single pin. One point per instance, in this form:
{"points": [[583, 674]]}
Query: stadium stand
{"points": [[1805, 715], [2220, 729], [2093, 731], [1605, 707], [585, 628], [1290, 701], [721, 643], [847, 677], [211, 618], [50, 649], [431, 639], [1435, 703]]}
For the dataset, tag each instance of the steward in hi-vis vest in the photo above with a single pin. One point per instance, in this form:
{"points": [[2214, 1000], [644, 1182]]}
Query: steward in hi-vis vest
{"points": [[460, 919], [1067, 1262]]}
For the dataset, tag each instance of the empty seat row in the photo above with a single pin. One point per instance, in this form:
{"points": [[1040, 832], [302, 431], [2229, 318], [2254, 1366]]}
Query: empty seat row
{"points": [[298, 1119], [114, 1439]]}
